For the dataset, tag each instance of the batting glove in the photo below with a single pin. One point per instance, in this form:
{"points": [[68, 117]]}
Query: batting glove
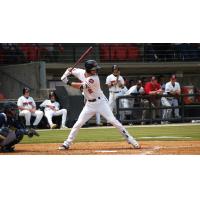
{"points": [[66, 74], [64, 80]]}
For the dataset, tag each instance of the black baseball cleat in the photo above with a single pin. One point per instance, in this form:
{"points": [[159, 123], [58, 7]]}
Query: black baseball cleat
{"points": [[63, 147], [34, 127], [7, 149], [36, 134]]}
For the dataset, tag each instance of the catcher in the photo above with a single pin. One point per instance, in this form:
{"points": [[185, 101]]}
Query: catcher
{"points": [[11, 129]]}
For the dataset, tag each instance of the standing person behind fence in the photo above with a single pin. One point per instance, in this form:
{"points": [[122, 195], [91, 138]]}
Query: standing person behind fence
{"points": [[27, 108], [173, 88], [136, 90], [123, 103], [115, 83], [153, 88], [166, 112], [52, 108]]}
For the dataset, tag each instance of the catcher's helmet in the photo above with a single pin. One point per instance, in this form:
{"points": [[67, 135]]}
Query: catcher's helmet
{"points": [[10, 108], [114, 67], [91, 65], [26, 89]]}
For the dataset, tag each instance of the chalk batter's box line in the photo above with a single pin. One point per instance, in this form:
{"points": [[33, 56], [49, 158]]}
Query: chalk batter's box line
{"points": [[157, 148]]}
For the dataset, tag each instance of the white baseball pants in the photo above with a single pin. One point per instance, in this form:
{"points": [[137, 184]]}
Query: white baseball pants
{"points": [[112, 101], [174, 102], [98, 119], [124, 103], [50, 113], [166, 113], [91, 108], [27, 115]]}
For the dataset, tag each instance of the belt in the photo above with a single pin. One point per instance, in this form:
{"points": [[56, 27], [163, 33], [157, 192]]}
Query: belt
{"points": [[115, 92], [93, 100], [170, 98]]}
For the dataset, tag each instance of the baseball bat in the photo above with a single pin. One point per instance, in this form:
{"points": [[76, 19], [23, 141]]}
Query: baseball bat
{"points": [[87, 52]]}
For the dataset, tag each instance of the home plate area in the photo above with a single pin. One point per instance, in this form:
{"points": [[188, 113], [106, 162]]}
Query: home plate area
{"points": [[112, 148]]}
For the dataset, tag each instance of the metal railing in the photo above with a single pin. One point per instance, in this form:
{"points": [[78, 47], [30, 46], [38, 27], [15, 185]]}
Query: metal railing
{"points": [[187, 112]]}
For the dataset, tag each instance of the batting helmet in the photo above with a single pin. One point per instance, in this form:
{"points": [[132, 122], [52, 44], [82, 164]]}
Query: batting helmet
{"points": [[114, 67], [91, 65], [26, 90]]}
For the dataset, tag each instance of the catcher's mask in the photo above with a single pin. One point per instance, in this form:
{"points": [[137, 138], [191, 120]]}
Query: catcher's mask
{"points": [[10, 109]]}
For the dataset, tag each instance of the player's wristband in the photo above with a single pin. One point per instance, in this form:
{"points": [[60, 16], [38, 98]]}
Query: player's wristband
{"points": [[69, 83]]}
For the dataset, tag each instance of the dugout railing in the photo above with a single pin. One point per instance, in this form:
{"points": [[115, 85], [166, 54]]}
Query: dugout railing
{"points": [[187, 111]]}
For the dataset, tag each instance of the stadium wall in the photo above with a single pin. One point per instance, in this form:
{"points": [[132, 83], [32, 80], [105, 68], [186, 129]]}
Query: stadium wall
{"points": [[14, 78]]}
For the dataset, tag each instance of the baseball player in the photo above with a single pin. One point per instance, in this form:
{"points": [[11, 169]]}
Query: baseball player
{"points": [[27, 108], [52, 108], [136, 89], [11, 129], [115, 83], [173, 88], [136, 102], [123, 103], [96, 102], [166, 113]]}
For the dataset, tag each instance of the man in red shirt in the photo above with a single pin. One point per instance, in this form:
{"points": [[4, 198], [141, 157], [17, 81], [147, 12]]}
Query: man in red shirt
{"points": [[153, 88]]}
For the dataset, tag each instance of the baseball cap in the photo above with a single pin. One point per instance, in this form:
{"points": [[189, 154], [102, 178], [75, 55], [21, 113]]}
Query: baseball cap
{"points": [[153, 78], [173, 77], [139, 82]]}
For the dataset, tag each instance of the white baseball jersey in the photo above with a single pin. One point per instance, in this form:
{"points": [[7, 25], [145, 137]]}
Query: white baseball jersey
{"points": [[122, 92], [112, 79], [170, 88], [46, 103], [134, 90], [92, 91], [91, 84], [27, 103]]}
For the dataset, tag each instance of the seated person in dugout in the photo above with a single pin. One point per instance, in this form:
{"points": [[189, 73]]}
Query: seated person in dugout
{"points": [[27, 108], [52, 108], [12, 130]]}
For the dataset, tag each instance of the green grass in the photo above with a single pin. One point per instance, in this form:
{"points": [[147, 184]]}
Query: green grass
{"points": [[112, 134]]}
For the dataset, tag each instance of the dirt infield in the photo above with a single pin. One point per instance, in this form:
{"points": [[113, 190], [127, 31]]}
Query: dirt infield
{"points": [[112, 148]]}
